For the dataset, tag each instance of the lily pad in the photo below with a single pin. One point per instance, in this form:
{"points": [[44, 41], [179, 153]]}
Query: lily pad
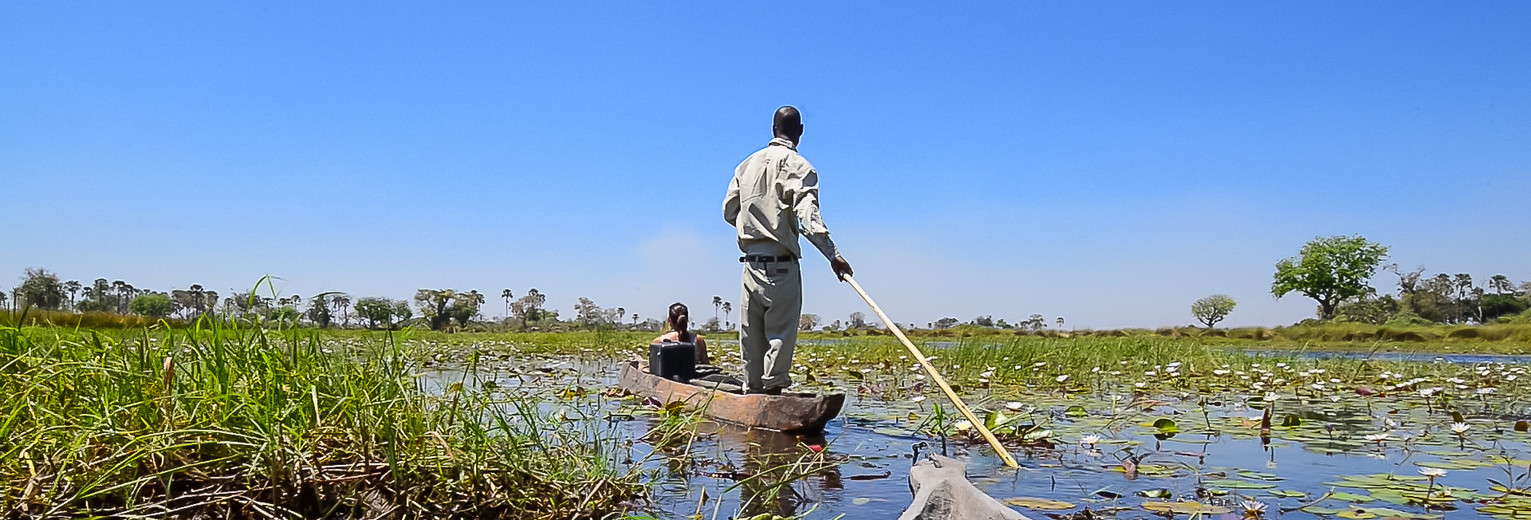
{"points": [[1350, 497], [1044, 504], [1320, 510], [1238, 484], [1184, 508], [1453, 464]]}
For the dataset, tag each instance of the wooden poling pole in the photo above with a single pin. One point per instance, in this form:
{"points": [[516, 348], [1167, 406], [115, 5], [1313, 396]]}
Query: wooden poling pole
{"points": [[931, 369]]}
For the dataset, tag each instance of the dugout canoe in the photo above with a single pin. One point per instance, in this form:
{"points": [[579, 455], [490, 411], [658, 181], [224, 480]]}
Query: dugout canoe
{"points": [[789, 412]]}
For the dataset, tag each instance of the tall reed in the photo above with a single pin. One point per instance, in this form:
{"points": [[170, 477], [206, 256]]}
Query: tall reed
{"points": [[258, 423]]}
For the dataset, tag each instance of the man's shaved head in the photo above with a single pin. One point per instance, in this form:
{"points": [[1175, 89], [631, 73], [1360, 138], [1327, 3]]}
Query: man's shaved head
{"points": [[788, 124]]}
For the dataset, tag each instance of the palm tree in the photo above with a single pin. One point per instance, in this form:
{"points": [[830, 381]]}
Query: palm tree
{"points": [[73, 288], [120, 288], [505, 295], [717, 303], [477, 299], [728, 308], [635, 316], [342, 302]]}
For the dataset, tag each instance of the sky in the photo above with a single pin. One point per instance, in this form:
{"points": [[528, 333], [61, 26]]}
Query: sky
{"points": [[1105, 162]]}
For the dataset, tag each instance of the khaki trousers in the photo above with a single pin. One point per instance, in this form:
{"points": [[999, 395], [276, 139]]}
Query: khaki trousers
{"points": [[772, 304]]}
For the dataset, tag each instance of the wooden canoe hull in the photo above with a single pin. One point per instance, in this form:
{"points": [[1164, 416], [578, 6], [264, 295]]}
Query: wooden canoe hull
{"points": [[790, 413]]}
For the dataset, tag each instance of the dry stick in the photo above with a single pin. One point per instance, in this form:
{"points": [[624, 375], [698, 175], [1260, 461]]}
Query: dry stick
{"points": [[930, 369]]}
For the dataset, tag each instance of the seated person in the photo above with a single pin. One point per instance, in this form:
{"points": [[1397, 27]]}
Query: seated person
{"points": [[678, 321]]}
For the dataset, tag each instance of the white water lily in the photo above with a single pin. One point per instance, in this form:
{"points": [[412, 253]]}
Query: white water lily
{"points": [[918, 398], [1272, 397], [1432, 472], [1015, 405], [1377, 437], [1062, 378], [963, 426], [1253, 507], [1220, 372], [1089, 441], [1459, 428]]}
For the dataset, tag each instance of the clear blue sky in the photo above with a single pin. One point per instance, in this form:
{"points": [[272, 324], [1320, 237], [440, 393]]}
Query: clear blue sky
{"points": [[1106, 162]]}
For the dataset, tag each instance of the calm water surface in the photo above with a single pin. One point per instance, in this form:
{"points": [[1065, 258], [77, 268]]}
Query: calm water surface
{"points": [[871, 447]]}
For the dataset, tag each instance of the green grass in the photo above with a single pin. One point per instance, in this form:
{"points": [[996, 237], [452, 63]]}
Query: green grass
{"points": [[257, 423]]}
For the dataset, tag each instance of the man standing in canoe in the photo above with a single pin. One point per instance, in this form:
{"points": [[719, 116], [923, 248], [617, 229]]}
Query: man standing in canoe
{"points": [[774, 198]]}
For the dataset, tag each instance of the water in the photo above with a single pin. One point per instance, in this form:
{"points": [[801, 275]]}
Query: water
{"points": [[1419, 357], [1219, 457]]}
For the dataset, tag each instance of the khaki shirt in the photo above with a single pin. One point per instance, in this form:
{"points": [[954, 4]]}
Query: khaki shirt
{"points": [[775, 196]]}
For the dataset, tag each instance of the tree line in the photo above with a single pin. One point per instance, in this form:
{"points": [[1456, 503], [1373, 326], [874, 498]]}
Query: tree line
{"points": [[1335, 271], [439, 309]]}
